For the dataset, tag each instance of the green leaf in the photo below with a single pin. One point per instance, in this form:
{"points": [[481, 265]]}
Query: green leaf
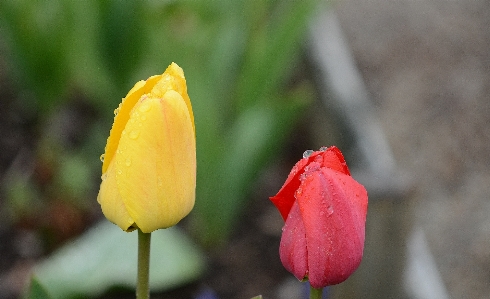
{"points": [[37, 291], [244, 92], [121, 44], [251, 142], [37, 50], [274, 51], [106, 256]]}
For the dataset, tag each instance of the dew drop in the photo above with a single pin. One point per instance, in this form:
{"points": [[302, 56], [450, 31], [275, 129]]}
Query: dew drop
{"points": [[102, 158], [310, 168], [303, 176], [145, 107], [128, 162], [307, 153], [329, 210], [134, 134], [295, 169], [298, 192], [116, 111], [323, 148], [103, 176], [119, 172]]}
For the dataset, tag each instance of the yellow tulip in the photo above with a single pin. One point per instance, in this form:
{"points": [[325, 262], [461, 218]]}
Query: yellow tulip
{"points": [[149, 165]]}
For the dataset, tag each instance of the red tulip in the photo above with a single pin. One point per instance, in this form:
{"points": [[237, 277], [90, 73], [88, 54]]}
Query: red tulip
{"points": [[325, 213]]}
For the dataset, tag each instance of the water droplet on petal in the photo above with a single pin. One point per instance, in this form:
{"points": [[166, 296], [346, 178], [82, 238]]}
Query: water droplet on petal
{"points": [[298, 192], [119, 172], [330, 210], [144, 107], [303, 176], [103, 176], [102, 157], [295, 169], [311, 168], [134, 134], [307, 153], [323, 148], [128, 162]]}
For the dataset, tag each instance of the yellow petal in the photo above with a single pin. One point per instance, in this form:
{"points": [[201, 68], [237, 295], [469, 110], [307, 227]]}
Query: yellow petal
{"points": [[172, 79], [156, 162], [111, 202], [178, 84], [122, 117]]}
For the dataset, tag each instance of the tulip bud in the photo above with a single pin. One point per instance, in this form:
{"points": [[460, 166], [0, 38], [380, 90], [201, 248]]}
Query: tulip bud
{"points": [[324, 210], [149, 165]]}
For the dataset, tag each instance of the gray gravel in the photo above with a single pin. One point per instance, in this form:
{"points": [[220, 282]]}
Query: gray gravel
{"points": [[426, 64]]}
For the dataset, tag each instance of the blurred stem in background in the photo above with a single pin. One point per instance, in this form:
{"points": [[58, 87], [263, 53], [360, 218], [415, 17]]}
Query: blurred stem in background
{"points": [[238, 57]]}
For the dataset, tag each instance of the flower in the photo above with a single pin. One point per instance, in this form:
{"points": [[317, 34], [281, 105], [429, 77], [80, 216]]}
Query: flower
{"points": [[149, 165], [324, 210]]}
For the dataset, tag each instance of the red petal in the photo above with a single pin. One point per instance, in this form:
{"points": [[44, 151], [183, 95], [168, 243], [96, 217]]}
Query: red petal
{"points": [[333, 209], [333, 159], [292, 249], [284, 199]]}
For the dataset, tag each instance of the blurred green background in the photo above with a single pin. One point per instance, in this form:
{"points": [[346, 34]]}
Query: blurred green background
{"points": [[65, 65]]}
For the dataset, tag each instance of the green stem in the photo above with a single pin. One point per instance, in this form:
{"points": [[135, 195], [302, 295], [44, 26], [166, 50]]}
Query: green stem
{"points": [[143, 286], [315, 293]]}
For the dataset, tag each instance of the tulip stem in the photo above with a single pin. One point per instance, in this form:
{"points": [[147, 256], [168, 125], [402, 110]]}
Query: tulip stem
{"points": [[143, 286], [316, 293]]}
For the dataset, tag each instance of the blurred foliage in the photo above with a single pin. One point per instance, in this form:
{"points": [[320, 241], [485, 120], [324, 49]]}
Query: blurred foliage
{"points": [[37, 291], [105, 257], [238, 57]]}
